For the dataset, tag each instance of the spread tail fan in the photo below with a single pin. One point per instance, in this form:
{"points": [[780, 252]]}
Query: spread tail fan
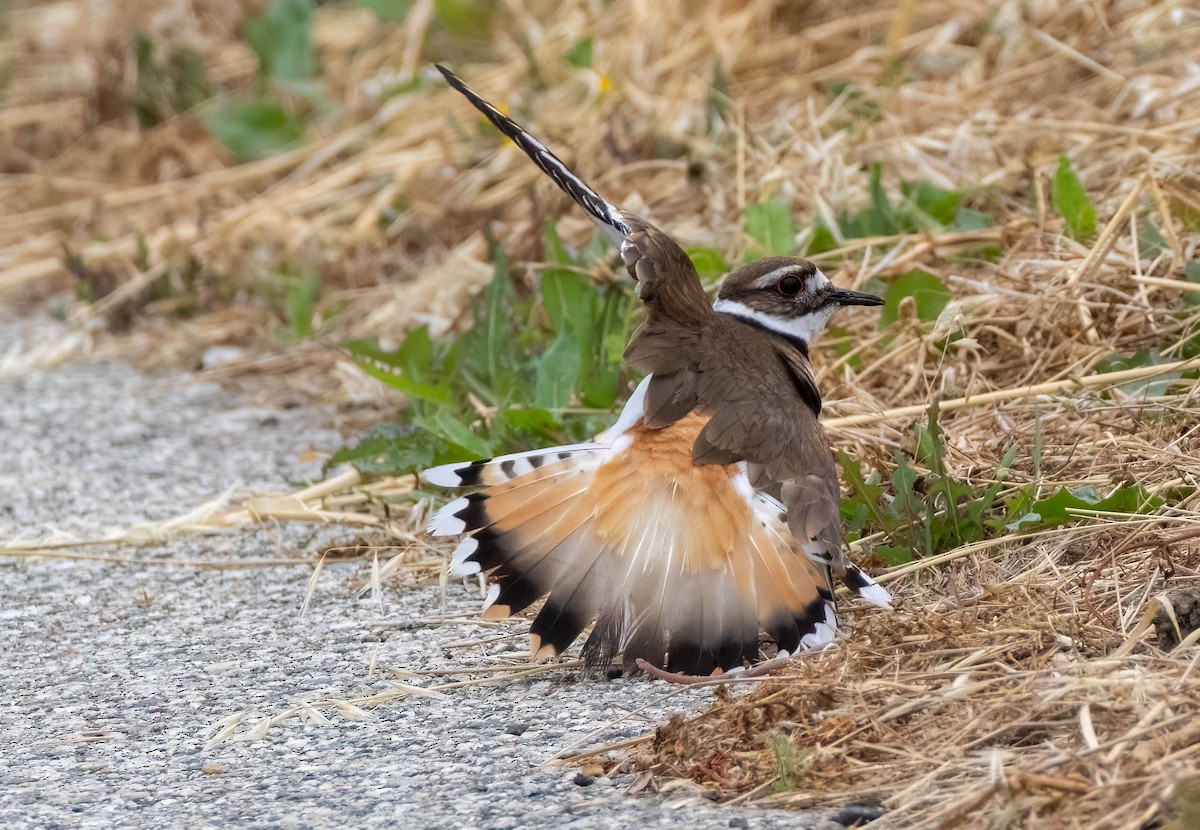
{"points": [[671, 562]]}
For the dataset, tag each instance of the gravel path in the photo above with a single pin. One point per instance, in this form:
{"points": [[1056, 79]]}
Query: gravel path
{"points": [[116, 675]]}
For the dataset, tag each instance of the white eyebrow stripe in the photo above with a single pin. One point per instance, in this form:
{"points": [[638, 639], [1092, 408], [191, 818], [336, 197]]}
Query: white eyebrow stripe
{"points": [[769, 279]]}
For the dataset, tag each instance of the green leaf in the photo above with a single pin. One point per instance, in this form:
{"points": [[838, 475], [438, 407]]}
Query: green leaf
{"points": [[162, 91], [302, 302], [391, 368], [1072, 202], [394, 11], [1150, 242], [557, 373], [392, 449], [252, 131], [770, 225], [280, 39], [416, 353], [532, 421], [904, 481], [581, 53], [822, 240], [709, 263], [1153, 386], [926, 290], [883, 219], [718, 98], [568, 298], [451, 429], [939, 205], [1054, 510], [966, 219], [893, 555], [495, 332], [466, 18], [866, 493]]}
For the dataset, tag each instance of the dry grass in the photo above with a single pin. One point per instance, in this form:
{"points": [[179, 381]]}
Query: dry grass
{"points": [[1032, 681]]}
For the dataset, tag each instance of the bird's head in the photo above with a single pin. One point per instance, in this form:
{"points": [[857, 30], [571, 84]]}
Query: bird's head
{"points": [[788, 295]]}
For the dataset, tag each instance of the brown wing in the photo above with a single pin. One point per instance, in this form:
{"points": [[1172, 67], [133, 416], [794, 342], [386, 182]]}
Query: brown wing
{"points": [[667, 281]]}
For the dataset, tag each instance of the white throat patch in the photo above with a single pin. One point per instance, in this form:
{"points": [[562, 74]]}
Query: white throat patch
{"points": [[807, 327]]}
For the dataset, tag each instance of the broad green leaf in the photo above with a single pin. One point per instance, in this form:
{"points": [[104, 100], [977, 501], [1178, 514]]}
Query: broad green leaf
{"points": [[904, 480], [445, 425], [392, 449], [252, 131], [770, 225], [1150, 242], [390, 367], [415, 354], [581, 53], [1146, 387], [557, 373], [1054, 510], [281, 40], [394, 378], [602, 351], [568, 298], [466, 18], [822, 240], [709, 263], [966, 219], [926, 290], [1072, 202], [532, 421], [864, 492], [893, 555], [939, 205]]}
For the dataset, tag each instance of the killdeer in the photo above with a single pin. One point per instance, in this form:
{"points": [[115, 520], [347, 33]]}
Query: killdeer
{"points": [[712, 509]]}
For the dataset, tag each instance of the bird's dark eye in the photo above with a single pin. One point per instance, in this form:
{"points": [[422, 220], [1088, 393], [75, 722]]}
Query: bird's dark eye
{"points": [[789, 286]]}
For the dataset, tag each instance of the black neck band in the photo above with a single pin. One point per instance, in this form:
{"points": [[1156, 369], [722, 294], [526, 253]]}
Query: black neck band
{"points": [[799, 342]]}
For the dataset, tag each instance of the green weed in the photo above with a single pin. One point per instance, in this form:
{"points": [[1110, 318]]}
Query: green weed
{"points": [[770, 225], [1072, 201], [465, 18], [929, 295], [252, 130], [924, 510], [165, 89], [789, 761], [920, 207], [534, 369], [277, 118], [580, 54]]}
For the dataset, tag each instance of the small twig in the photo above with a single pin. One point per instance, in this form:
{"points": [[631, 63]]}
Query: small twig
{"points": [[760, 670], [1016, 393]]}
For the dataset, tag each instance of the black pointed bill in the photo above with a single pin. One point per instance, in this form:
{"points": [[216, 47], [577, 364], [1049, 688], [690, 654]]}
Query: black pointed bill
{"points": [[844, 296]]}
